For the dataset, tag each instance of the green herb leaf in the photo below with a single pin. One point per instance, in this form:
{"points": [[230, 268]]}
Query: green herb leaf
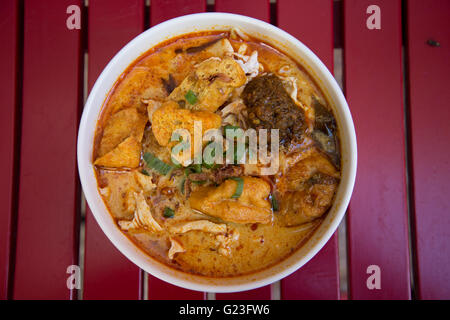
{"points": [[145, 172], [239, 188], [197, 168], [230, 127], [168, 212], [157, 164], [210, 165], [191, 97], [183, 182], [275, 204], [193, 168], [198, 182], [176, 164], [237, 154]]}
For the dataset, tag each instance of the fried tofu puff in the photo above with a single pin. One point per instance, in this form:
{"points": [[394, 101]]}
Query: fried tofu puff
{"points": [[127, 154], [120, 145], [125, 123], [252, 206], [212, 83], [170, 117]]}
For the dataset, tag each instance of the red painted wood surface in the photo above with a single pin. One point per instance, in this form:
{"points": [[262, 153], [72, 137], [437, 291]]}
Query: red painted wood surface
{"points": [[312, 24], [162, 10], [48, 197], [262, 293], [429, 96], [9, 56], [108, 273], [161, 290], [259, 9], [377, 219]]}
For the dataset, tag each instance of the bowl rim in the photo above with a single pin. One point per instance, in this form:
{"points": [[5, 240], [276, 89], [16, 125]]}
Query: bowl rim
{"points": [[85, 141]]}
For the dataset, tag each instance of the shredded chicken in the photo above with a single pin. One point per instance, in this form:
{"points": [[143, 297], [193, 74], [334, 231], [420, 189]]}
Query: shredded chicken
{"points": [[242, 49], [234, 107], [201, 225], [234, 114], [143, 218], [175, 247], [249, 64], [236, 33], [129, 201], [144, 181]]}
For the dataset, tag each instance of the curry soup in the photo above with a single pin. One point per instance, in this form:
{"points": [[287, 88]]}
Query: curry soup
{"points": [[216, 219]]}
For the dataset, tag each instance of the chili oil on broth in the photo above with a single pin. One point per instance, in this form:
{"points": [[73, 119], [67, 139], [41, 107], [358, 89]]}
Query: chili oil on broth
{"points": [[257, 246]]}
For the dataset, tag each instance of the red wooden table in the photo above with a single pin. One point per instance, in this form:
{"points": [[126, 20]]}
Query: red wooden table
{"points": [[396, 80]]}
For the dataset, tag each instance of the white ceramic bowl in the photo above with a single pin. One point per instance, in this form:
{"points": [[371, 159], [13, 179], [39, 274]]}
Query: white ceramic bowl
{"points": [[279, 39]]}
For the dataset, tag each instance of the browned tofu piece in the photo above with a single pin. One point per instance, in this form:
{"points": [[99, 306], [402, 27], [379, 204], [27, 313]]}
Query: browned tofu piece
{"points": [[169, 117], [121, 125], [251, 207], [212, 83], [127, 154]]}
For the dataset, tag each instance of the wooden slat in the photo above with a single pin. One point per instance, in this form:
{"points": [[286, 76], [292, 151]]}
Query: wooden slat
{"points": [[262, 293], [429, 96], [312, 24], [9, 56], [162, 10], [318, 279], [259, 9], [48, 196], [377, 219], [161, 290], [109, 274]]}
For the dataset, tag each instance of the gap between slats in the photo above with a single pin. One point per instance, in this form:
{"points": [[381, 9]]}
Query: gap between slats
{"points": [[85, 93], [408, 155], [338, 72], [17, 147]]}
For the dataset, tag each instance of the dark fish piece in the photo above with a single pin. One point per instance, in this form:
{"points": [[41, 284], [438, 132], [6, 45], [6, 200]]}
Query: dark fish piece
{"points": [[269, 106], [324, 133]]}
